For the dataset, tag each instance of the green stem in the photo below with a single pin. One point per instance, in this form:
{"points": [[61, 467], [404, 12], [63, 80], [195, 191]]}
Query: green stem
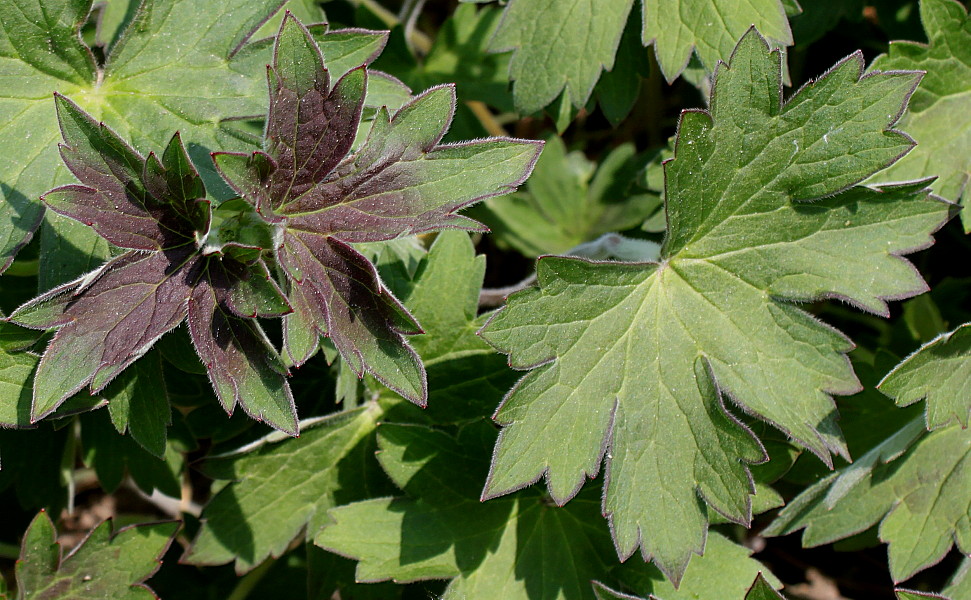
{"points": [[420, 41], [251, 579]]}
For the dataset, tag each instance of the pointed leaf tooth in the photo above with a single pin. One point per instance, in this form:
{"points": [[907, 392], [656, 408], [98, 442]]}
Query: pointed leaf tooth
{"points": [[297, 61]]}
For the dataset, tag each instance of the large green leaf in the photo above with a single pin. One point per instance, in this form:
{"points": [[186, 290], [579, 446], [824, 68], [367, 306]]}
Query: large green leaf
{"points": [[562, 46], [103, 566], [940, 112], [921, 501], [630, 363], [282, 487]]}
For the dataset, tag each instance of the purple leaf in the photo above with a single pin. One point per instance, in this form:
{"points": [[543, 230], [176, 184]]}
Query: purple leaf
{"points": [[127, 201], [401, 182], [241, 363], [107, 322], [111, 317]]}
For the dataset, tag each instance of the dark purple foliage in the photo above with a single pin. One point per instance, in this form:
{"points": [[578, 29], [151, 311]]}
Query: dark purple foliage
{"points": [[156, 209], [400, 182]]}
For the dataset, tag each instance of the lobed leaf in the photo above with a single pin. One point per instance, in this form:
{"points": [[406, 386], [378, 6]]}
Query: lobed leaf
{"points": [[400, 182], [102, 566], [109, 318], [939, 112], [563, 46], [630, 363], [919, 499]]}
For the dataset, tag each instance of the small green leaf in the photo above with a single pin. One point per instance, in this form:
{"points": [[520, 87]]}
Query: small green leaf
{"points": [[939, 371], [138, 402], [919, 499], [103, 566], [940, 112], [280, 489]]}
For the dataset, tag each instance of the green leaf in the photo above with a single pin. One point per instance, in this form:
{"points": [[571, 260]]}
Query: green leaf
{"points": [[280, 489], [561, 46], [820, 16], [466, 377], [103, 566], [630, 363], [940, 112], [939, 371], [570, 200], [138, 402], [16, 383], [618, 89], [709, 28], [960, 585], [458, 55], [912, 595], [499, 549], [920, 500], [113, 456], [32, 465]]}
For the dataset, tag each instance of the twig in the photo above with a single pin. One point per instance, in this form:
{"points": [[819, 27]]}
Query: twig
{"points": [[492, 297]]}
